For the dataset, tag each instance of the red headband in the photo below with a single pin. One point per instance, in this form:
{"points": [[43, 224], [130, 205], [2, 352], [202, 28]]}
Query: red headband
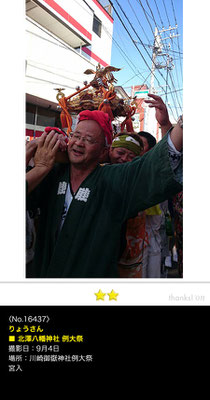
{"points": [[102, 119]]}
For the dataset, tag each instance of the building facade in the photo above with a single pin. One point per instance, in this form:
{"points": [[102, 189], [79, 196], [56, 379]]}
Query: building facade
{"points": [[63, 39], [141, 117]]}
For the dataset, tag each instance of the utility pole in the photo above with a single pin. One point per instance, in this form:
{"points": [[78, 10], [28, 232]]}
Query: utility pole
{"points": [[150, 123], [149, 113]]}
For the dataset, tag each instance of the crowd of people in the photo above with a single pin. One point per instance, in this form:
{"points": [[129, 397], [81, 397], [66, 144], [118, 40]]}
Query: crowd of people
{"points": [[102, 205]]}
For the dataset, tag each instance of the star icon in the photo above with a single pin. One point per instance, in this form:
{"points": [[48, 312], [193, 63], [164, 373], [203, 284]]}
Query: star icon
{"points": [[112, 295], [100, 295]]}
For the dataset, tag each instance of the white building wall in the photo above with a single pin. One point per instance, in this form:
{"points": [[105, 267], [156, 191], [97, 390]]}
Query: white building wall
{"points": [[102, 46], [78, 10], [52, 63]]}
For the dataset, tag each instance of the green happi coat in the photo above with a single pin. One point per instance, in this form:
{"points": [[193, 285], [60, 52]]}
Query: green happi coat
{"points": [[88, 244]]}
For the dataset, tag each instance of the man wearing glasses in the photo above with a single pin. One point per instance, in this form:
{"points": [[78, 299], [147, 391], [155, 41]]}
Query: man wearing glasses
{"points": [[84, 204]]}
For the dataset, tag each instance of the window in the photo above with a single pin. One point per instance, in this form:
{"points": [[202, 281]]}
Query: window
{"points": [[97, 25], [84, 51], [41, 116], [30, 113], [47, 117]]}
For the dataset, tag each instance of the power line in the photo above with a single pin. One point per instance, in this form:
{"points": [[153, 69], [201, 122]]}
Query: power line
{"points": [[134, 42], [124, 55], [134, 77], [133, 39], [177, 36], [145, 13], [159, 14], [177, 52], [177, 90], [151, 13], [167, 69], [139, 1], [174, 88], [129, 32], [166, 11], [150, 26], [166, 49], [172, 41], [138, 20]]}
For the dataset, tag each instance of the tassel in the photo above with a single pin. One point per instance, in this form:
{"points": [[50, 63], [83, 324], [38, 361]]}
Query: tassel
{"points": [[65, 117], [128, 121], [63, 120], [105, 105]]}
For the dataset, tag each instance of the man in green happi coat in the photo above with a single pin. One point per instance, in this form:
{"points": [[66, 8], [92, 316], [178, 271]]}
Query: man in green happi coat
{"points": [[84, 204]]}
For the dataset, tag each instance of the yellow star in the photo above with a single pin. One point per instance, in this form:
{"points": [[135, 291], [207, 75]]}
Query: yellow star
{"points": [[112, 295], [100, 295]]}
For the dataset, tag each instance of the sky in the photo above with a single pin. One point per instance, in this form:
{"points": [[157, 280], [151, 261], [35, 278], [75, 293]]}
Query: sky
{"points": [[133, 38]]}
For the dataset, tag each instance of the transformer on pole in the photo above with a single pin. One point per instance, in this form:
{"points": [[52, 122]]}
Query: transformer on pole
{"points": [[150, 123]]}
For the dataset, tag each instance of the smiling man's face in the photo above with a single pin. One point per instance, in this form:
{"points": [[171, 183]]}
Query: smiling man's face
{"points": [[87, 144]]}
